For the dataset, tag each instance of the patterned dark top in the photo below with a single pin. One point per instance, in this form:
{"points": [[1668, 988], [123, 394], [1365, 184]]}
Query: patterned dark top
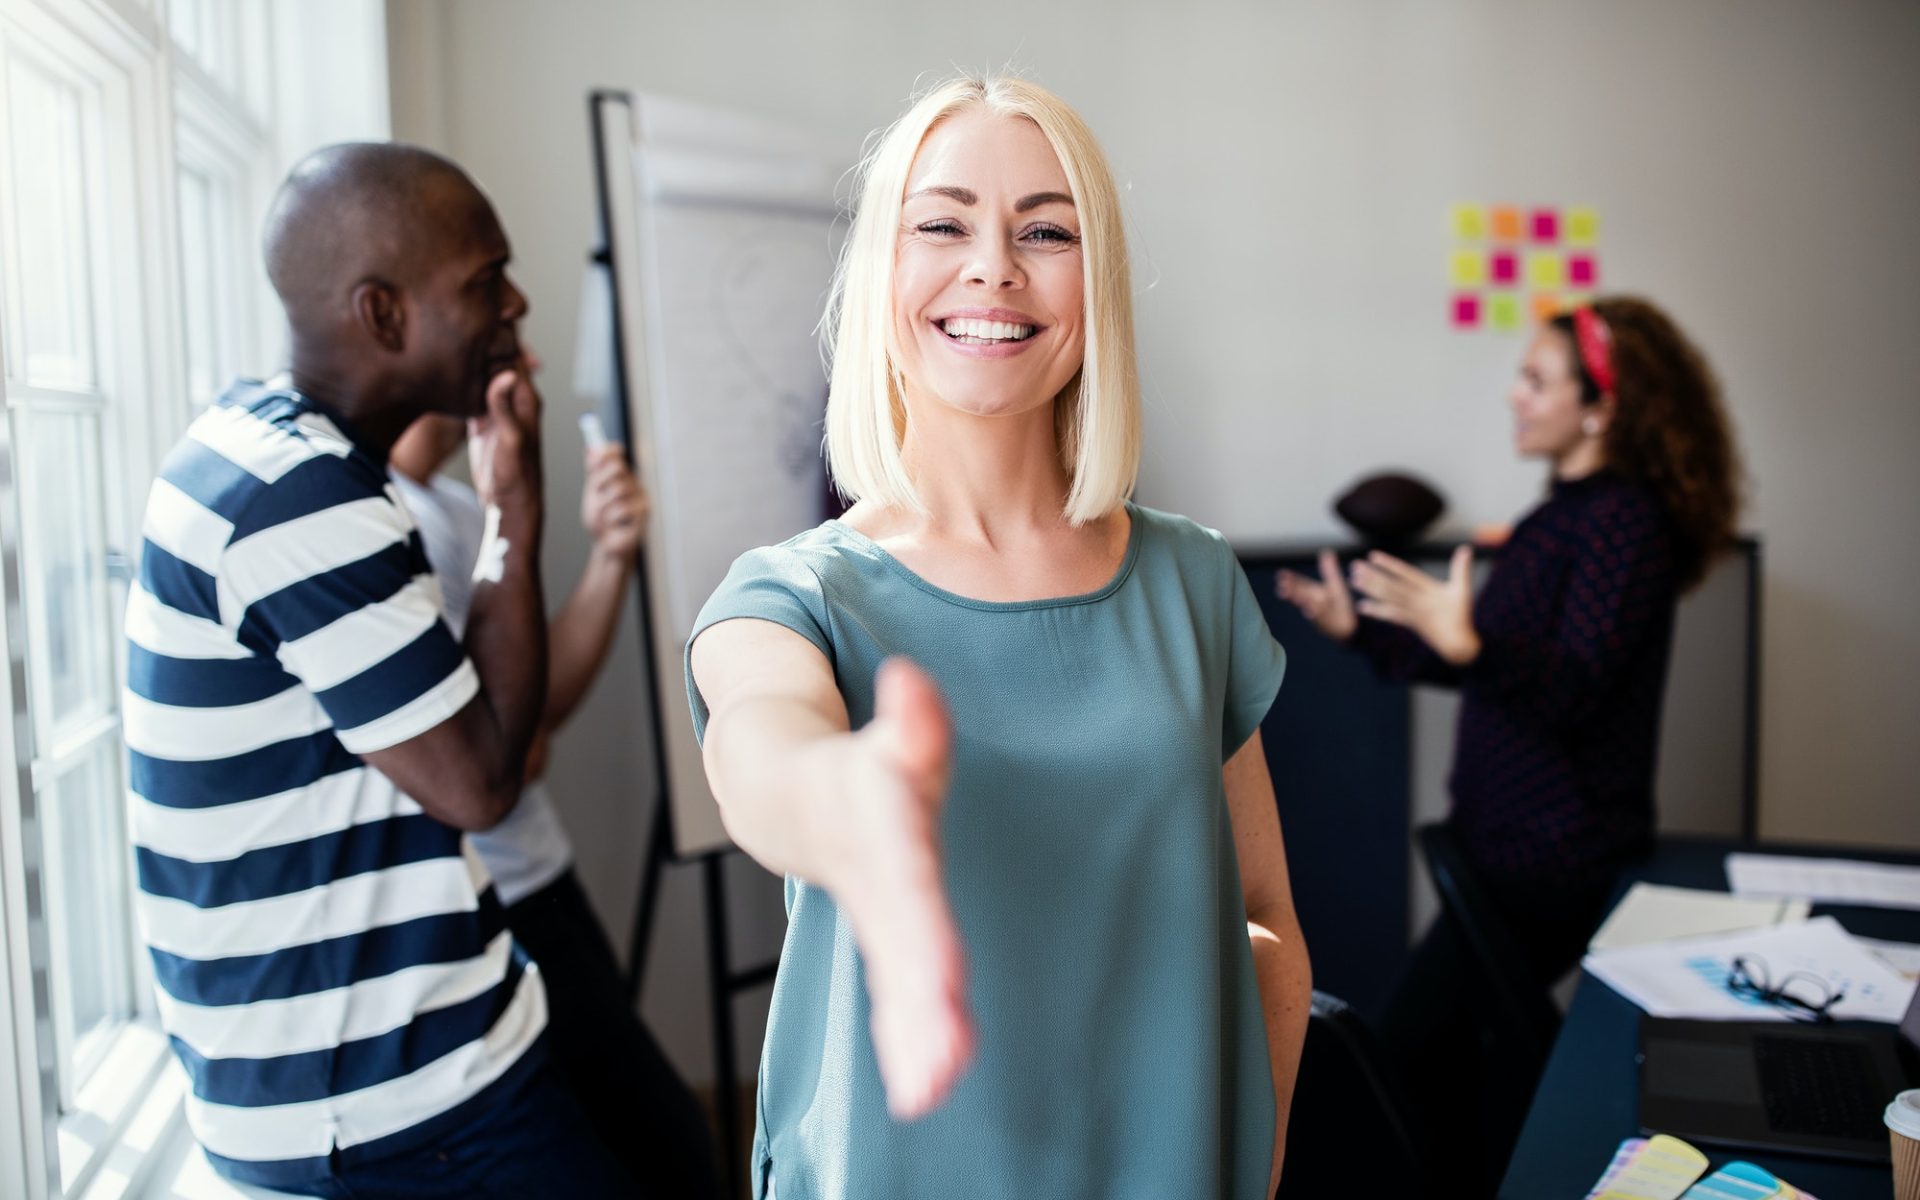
{"points": [[1553, 761]]}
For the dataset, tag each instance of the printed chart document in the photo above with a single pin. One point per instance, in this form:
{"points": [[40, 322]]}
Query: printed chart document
{"points": [[1825, 880], [1688, 977]]}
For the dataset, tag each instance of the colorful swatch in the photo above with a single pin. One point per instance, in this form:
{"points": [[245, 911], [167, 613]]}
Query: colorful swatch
{"points": [[1466, 312], [1469, 222], [1546, 225], [1663, 1169]]}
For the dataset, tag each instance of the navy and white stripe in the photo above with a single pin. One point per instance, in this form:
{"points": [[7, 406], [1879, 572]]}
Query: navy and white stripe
{"points": [[334, 968]]}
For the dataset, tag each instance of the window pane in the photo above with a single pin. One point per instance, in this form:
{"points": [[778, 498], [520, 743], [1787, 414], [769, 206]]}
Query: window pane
{"points": [[49, 203], [188, 18], [87, 900], [70, 619], [199, 279]]}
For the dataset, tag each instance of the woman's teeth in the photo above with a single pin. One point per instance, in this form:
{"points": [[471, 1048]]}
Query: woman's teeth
{"points": [[978, 333]]}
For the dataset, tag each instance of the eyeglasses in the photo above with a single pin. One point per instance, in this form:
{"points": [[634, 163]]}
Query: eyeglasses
{"points": [[1804, 995]]}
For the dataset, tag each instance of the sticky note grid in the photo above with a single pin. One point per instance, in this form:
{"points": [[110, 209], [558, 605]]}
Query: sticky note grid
{"points": [[1510, 260]]}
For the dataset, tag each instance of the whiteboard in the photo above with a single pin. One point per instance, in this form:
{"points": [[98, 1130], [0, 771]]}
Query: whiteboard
{"points": [[722, 232]]}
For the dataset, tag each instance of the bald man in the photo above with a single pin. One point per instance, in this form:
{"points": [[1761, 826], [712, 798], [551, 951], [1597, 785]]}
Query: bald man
{"points": [[309, 740]]}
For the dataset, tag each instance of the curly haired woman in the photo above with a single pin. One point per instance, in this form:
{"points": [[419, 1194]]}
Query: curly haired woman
{"points": [[1561, 660]]}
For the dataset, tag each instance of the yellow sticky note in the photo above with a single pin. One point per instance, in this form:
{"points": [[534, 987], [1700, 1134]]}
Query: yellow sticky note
{"points": [[1663, 1169], [1469, 268], [1469, 222], [1503, 312], [1583, 226], [1545, 269]]}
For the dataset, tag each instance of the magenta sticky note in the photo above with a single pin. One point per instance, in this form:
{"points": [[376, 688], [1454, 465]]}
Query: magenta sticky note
{"points": [[1582, 270], [1546, 225], [1466, 311], [1504, 266]]}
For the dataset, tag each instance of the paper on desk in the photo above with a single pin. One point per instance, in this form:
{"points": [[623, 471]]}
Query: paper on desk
{"points": [[1825, 880], [1903, 957], [1652, 912], [1688, 977]]}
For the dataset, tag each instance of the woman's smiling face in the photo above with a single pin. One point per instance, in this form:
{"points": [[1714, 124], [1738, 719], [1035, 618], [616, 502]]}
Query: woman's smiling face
{"points": [[988, 285]]}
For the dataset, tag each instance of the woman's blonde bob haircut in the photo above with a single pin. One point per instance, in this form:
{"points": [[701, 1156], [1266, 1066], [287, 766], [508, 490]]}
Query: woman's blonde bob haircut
{"points": [[1096, 416]]}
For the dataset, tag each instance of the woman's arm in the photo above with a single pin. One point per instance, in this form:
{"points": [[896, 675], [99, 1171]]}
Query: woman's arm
{"points": [[854, 813], [1279, 952], [613, 511]]}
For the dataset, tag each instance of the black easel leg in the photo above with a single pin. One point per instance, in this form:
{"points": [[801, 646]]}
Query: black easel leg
{"points": [[726, 1079], [654, 866]]}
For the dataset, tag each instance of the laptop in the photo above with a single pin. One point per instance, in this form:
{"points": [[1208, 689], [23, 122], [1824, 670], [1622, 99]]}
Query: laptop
{"points": [[1777, 1085]]}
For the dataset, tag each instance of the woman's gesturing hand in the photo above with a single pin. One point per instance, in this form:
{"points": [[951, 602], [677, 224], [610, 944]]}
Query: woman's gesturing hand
{"points": [[1326, 601], [895, 896], [1439, 611]]}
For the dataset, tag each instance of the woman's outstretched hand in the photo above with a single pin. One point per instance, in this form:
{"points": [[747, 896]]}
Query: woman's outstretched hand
{"points": [[895, 897], [1325, 601], [1439, 611]]}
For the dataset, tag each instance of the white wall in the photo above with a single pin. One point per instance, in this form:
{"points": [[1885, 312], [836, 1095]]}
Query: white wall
{"points": [[1289, 167]]}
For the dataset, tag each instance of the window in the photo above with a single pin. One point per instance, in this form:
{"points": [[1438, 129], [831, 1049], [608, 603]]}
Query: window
{"points": [[138, 148]]}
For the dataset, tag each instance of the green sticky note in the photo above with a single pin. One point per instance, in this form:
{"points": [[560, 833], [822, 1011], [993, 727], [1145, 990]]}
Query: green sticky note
{"points": [[1469, 222], [1583, 226], [1503, 312], [1545, 269], [1469, 268]]}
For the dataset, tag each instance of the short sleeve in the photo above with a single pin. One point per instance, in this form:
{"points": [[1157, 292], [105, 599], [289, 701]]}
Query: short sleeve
{"points": [[344, 598], [1255, 663], [773, 583]]}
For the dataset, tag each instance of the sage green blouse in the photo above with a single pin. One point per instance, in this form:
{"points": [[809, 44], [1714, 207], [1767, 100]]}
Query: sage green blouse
{"points": [[1122, 1054]]}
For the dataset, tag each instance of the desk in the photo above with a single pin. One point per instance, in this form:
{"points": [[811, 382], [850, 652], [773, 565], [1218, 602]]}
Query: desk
{"points": [[1589, 1097]]}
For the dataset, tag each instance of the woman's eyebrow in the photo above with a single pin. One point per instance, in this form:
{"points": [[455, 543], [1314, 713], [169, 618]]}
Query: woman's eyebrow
{"points": [[963, 195], [1029, 203]]}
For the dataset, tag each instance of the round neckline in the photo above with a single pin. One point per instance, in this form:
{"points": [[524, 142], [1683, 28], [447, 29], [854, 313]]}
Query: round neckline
{"points": [[1102, 592]]}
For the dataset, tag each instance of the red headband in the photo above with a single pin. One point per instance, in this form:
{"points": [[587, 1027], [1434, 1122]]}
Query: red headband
{"points": [[1596, 346]]}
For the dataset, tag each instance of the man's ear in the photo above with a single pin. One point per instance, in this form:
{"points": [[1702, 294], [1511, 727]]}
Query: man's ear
{"points": [[376, 303]]}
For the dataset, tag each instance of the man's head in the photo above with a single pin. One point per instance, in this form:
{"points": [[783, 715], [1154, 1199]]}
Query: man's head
{"points": [[392, 269]]}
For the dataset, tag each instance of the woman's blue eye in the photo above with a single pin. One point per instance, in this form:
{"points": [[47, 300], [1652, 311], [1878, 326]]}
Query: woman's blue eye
{"points": [[1051, 233]]}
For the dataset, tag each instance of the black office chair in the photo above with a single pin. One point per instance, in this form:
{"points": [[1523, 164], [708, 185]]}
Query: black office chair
{"points": [[1348, 1107], [1518, 1005], [1517, 1018]]}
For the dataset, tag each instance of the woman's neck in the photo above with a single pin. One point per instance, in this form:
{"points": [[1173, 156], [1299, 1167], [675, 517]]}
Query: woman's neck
{"points": [[980, 477], [1583, 460]]}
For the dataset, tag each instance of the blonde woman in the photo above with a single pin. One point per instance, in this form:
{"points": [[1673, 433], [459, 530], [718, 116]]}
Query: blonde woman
{"points": [[999, 726]]}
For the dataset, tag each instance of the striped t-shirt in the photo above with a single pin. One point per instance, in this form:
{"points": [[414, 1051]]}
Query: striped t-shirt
{"points": [[334, 969]]}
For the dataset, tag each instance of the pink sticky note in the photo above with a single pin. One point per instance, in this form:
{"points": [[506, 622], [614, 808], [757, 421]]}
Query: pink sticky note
{"points": [[1583, 270], [1466, 311], [1504, 266], [1546, 225]]}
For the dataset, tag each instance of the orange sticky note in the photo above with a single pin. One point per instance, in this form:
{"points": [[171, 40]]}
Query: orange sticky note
{"points": [[1505, 219], [1546, 306]]}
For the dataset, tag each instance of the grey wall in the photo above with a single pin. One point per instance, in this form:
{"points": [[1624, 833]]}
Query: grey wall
{"points": [[1289, 167]]}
